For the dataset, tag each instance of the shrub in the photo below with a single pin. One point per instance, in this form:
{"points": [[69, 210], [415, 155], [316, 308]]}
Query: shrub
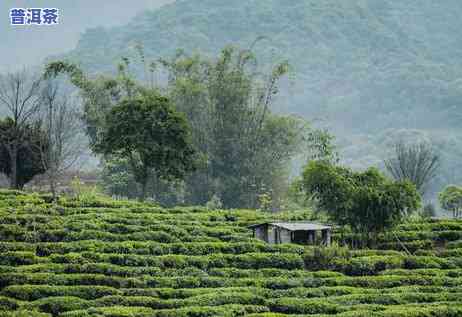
{"points": [[8, 303], [57, 305], [371, 265], [23, 313], [223, 298], [139, 301], [318, 258], [19, 258], [220, 311], [303, 306], [115, 311], [34, 292], [427, 262]]}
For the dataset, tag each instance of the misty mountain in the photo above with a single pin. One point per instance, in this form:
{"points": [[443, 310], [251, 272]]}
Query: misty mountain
{"points": [[29, 45], [371, 71]]}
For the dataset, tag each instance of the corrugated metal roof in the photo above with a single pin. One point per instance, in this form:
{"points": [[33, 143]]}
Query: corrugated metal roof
{"points": [[295, 226]]}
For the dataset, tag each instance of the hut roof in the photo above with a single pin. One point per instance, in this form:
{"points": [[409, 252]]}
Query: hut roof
{"points": [[296, 226]]}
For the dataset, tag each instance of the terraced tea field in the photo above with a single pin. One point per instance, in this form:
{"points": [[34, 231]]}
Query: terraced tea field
{"points": [[127, 259]]}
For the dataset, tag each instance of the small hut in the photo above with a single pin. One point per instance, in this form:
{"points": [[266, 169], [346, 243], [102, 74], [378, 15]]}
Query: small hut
{"points": [[293, 232]]}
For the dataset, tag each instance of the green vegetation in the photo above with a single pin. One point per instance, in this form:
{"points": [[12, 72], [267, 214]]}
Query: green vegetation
{"points": [[244, 149], [151, 135], [451, 200], [367, 202], [374, 71], [99, 257], [22, 149], [204, 127]]}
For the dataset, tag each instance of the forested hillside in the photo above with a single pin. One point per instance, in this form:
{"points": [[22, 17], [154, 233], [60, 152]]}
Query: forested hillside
{"points": [[371, 71]]}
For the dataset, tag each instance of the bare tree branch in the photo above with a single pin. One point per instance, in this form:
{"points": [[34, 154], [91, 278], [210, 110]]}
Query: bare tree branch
{"points": [[64, 133], [417, 163], [19, 96]]}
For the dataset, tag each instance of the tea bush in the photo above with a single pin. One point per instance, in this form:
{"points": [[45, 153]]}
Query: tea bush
{"points": [[102, 258]]}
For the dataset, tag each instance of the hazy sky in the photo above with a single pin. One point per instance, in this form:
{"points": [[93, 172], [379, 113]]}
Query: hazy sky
{"points": [[28, 45]]}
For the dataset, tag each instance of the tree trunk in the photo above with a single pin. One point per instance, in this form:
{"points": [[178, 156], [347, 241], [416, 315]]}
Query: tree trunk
{"points": [[53, 186], [14, 168], [144, 186]]}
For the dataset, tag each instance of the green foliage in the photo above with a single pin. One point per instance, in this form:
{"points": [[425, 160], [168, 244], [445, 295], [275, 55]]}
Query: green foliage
{"points": [[7, 303], [23, 313], [32, 147], [109, 258], [245, 147], [323, 258], [322, 147], [59, 304], [214, 203], [451, 199], [84, 193], [368, 94], [132, 126], [429, 211], [366, 201], [117, 178], [99, 95], [151, 135], [264, 201]]}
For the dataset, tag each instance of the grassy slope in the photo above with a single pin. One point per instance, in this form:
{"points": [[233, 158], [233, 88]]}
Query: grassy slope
{"points": [[97, 257], [370, 69]]}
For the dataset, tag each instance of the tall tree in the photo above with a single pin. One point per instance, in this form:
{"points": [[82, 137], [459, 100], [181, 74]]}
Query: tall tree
{"points": [[62, 126], [417, 163], [366, 201], [99, 94], [451, 199], [246, 148], [20, 98], [154, 138]]}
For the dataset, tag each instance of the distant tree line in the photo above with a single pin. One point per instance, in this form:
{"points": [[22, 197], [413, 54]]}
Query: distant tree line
{"points": [[241, 151], [207, 136]]}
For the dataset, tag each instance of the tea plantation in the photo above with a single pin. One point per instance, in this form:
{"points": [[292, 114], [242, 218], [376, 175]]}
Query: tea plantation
{"points": [[94, 257]]}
